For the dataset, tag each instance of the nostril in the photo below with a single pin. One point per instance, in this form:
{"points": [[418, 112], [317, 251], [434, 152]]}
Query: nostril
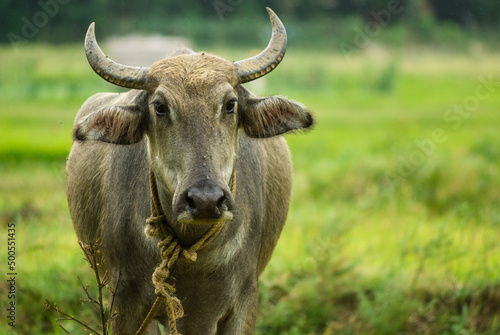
{"points": [[221, 204], [190, 202]]}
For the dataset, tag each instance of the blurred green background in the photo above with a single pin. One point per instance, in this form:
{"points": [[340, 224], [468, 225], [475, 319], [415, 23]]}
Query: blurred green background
{"points": [[395, 217]]}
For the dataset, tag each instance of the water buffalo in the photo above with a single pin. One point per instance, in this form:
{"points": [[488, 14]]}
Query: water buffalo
{"points": [[216, 155]]}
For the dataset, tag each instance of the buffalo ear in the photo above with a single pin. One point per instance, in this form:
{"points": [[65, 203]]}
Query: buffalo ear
{"points": [[112, 124], [271, 116]]}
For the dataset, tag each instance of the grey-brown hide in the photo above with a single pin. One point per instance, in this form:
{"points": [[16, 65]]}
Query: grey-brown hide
{"points": [[207, 140]]}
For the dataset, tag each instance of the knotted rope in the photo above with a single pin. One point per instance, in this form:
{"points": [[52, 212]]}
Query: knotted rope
{"points": [[171, 251]]}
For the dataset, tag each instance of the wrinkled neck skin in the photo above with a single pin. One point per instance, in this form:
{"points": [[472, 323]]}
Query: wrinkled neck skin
{"points": [[186, 234]]}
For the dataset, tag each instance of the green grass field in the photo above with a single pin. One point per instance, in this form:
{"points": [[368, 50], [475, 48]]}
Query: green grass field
{"points": [[395, 217]]}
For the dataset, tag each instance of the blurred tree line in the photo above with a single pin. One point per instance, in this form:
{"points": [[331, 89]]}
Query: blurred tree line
{"points": [[67, 20]]}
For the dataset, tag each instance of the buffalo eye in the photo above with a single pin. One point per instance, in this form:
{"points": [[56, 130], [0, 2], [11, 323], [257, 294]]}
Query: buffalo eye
{"points": [[160, 109], [230, 106]]}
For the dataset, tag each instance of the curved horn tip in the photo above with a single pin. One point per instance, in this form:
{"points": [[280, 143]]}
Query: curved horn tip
{"points": [[270, 12], [90, 36], [272, 15], [91, 28]]}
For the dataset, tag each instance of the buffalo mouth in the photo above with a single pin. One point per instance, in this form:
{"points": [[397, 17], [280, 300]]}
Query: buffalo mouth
{"points": [[186, 217]]}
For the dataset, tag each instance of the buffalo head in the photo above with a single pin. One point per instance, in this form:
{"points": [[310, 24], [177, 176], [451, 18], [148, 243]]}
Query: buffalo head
{"points": [[190, 108]]}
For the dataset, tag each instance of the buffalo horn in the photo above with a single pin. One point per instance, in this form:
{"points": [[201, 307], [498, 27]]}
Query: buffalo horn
{"points": [[257, 66], [118, 74]]}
